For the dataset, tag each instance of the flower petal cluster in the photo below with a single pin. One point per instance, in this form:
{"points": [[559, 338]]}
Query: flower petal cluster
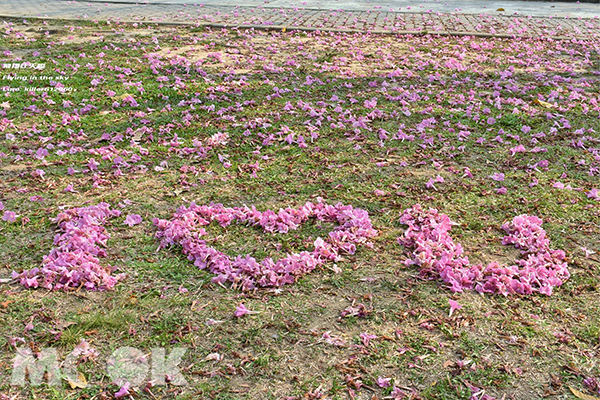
{"points": [[74, 262], [539, 270], [186, 229]]}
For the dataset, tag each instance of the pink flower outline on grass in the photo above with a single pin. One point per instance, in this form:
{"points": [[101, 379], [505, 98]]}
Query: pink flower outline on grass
{"points": [[539, 270], [74, 262], [245, 272]]}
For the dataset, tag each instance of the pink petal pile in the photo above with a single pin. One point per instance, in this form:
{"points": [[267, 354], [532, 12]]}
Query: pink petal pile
{"points": [[74, 262], [539, 270], [245, 272]]}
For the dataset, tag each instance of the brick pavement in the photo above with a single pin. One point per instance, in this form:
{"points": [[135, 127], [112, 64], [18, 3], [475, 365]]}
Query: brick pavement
{"points": [[375, 21]]}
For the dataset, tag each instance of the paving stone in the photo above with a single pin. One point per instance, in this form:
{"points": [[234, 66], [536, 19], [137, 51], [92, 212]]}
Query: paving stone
{"points": [[380, 19]]}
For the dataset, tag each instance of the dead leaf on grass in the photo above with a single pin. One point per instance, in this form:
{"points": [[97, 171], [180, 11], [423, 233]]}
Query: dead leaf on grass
{"points": [[123, 96], [80, 383], [214, 357], [543, 103], [582, 395], [63, 325], [5, 304], [197, 307]]}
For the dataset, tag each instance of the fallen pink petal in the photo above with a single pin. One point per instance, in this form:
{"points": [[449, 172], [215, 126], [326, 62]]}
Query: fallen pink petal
{"points": [[123, 391], [241, 310], [132, 220], [9, 216], [453, 306]]}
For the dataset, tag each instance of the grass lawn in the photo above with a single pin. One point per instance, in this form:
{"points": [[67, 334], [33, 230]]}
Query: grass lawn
{"points": [[149, 118]]}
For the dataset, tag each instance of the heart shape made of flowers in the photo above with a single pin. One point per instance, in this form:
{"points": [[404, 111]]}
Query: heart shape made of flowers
{"points": [[186, 229], [539, 270]]}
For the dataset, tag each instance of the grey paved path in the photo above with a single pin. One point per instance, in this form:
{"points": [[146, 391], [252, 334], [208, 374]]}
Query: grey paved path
{"points": [[497, 18]]}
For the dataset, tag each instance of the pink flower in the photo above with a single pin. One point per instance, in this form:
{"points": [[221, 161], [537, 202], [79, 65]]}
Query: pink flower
{"points": [[69, 189], [9, 216], [241, 310], [333, 340], [518, 149], [366, 338], [132, 219], [41, 153], [430, 183], [453, 306], [592, 194], [123, 391], [92, 164], [384, 382], [499, 177], [587, 252], [592, 384], [38, 173], [83, 351]]}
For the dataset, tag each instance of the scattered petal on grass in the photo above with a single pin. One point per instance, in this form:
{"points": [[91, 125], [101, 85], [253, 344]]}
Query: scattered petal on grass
{"points": [[9, 216], [123, 391], [384, 382], [593, 194], [132, 219], [373, 119], [333, 340], [498, 176], [366, 338], [453, 306], [240, 311]]}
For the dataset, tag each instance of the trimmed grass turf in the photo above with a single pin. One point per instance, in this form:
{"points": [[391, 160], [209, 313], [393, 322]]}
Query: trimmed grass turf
{"points": [[452, 94]]}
